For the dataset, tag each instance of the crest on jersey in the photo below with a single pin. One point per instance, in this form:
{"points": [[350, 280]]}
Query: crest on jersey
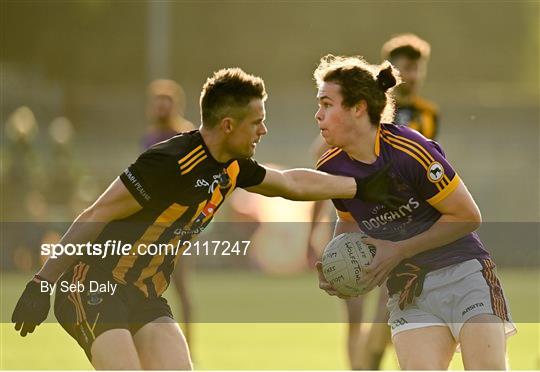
{"points": [[224, 180], [435, 172]]}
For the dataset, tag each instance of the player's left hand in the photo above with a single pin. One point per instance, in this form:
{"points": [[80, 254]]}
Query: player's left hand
{"points": [[31, 309], [387, 257]]}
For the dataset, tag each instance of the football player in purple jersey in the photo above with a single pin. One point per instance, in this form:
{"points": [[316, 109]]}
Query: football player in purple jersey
{"points": [[366, 342], [441, 281]]}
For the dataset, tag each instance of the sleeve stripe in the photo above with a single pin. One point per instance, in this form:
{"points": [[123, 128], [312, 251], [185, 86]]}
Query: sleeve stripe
{"points": [[193, 158], [326, 154], [443, 194], [189, 155], [185, 171], [322, 161], [418, 149], [414, 156], [411, 143], [427, 160]]}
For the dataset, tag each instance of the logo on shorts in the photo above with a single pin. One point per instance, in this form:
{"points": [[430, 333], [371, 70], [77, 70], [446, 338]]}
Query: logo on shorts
{"points": [[94, 298], [472, 307], [435, 172], [398, 322]]}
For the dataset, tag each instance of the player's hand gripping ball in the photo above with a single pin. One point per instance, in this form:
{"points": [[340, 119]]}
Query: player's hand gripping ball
{"points": [[344, 260]]}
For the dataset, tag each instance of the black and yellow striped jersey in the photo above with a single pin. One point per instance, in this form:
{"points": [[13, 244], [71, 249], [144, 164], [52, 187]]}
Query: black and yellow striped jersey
{"points": [[420, 115], [180, 187]]}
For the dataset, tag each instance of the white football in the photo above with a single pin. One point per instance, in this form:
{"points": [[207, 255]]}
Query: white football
{"points": [[344, 260]]}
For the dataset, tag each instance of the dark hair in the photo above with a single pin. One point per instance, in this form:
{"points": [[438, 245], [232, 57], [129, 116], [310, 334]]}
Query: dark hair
{"points": [[361, 81], [227, 93], [386, 79], [407, 45]]}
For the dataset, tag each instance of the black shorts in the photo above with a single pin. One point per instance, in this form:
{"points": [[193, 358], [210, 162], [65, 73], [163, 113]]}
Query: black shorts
{"points": [[86, 313]]}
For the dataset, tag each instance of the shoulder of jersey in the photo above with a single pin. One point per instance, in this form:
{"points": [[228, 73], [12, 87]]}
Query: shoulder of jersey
{"points": [[327, 156], [408, 141], [425, 104], [388, 130], [180, 144]]}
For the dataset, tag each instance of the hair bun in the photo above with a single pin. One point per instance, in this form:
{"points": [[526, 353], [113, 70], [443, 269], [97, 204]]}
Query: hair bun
{"points": [[386, 78]]}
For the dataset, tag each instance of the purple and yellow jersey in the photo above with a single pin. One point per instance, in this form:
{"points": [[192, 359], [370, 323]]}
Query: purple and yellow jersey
{"points": [[420, 115], [423, 177]]}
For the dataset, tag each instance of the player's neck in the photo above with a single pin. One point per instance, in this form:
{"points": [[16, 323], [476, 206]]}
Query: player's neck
{"points": [[362, 146], [214, 142]]}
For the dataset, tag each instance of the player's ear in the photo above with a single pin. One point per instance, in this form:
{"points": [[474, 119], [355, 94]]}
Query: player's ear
{"points": [[227, 125], [360, 108]]}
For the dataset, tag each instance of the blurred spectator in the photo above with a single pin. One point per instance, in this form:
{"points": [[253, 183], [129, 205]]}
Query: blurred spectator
{"points": [[22, 175], [63, 174], [22, 203]]}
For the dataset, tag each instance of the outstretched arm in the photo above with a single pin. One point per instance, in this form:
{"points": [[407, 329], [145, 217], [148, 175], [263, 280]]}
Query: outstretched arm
{"points": [[305, 184]]}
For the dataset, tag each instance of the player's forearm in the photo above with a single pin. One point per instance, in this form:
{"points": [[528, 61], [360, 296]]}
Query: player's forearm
{"points": [[306, 184], [83, 229], [446, 230]]}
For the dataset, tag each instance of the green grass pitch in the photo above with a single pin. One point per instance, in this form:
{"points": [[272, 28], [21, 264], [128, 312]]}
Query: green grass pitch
{"points": [[247, 333]]}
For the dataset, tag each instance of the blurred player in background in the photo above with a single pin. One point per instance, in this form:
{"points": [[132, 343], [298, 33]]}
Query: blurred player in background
{"points": [[165, 111], [410, 55], [167, 196], [442, 282]]}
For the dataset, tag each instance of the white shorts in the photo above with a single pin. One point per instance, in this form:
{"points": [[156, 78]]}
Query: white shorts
{"points": [[451, 296]]}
